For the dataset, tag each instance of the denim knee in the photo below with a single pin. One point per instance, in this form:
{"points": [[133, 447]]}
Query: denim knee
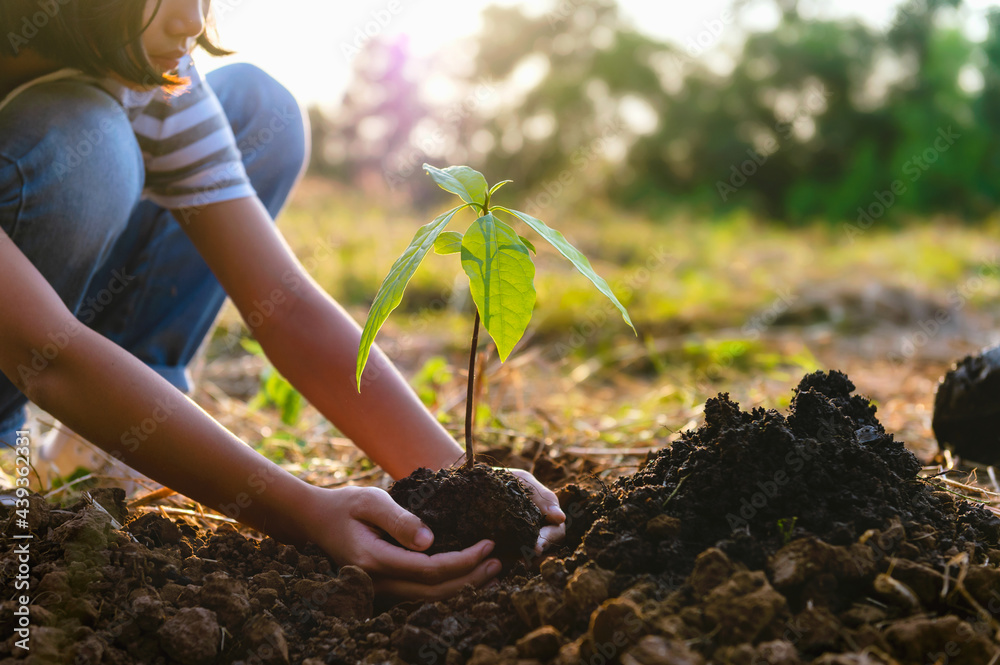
{"points": [[71, 172], [271, 130]]}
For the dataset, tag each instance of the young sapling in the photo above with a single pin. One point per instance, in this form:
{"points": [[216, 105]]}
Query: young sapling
{"points": [[501, 274]]}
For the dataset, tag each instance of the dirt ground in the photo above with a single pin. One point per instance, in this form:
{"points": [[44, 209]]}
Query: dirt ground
{"points": [[759, 537]]}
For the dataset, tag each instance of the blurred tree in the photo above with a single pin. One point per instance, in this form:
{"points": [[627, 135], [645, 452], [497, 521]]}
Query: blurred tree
{"points": [[827, 119]]}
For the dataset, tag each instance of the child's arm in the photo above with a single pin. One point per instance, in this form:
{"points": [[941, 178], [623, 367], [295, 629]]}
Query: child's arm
{"points": [[313, 342], [104, 393]]}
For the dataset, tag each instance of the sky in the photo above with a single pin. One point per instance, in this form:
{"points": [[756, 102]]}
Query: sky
{"points": [[308, 44]]}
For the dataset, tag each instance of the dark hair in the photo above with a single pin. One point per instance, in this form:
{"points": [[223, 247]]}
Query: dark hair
{"points": [[98, 37]]}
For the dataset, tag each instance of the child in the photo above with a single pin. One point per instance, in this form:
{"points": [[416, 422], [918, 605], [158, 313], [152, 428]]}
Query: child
{"points": [[104, 299]]}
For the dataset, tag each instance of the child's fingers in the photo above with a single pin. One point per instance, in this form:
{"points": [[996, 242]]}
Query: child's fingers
{"points": [[397, 563], [549, 536], [543, 497], [379, 509], [401, 588]]}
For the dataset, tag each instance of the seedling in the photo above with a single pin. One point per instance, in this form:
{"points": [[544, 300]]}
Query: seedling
{"points": [[498, 263]]}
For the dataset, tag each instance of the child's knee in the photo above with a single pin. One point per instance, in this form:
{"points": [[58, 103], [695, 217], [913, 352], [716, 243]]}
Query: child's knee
{"points": [[78, 165]]}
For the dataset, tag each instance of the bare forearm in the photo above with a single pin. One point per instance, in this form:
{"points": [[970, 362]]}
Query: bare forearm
{"points": [[316, 349], [116, 402]]}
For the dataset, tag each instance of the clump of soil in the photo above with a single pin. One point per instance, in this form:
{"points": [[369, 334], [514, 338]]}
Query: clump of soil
{"points": [[465, 505], [750, 482], [758, 538], [967, 408]]}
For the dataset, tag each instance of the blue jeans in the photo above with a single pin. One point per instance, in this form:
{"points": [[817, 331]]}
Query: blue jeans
{"points": [[71, 176]]}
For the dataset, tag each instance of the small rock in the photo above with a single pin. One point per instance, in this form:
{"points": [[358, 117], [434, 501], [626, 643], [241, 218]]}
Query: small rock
{"points": [[54, 589], [554, 572], [148, 611], [86, 533], [656, 650], [663, 527], [777, 652], [711, 568], [351, 594], [266, 640], [569, 653], [587, 587], [815, 630], [227, 597], [616, 622], [88, 652], [538, 604], [848, 659], [483, 655], [913, 639], [48, 645], [743, 607], [191, 636], [266, 597], [271, 580], [542, 643]]}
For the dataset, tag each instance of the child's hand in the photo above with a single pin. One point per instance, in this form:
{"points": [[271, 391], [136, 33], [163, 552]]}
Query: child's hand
{"points": [[347, 523], [547, 502]]}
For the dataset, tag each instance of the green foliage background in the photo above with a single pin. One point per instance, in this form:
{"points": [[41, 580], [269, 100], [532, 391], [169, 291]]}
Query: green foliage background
{"points": [[813, 119]]}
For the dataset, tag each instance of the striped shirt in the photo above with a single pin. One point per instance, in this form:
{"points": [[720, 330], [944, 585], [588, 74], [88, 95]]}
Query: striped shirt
{"points": [[188, 147]]}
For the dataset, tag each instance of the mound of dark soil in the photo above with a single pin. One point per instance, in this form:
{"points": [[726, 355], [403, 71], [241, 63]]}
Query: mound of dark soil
{"points": [[750, 482], [466, 505], [756, 539]]}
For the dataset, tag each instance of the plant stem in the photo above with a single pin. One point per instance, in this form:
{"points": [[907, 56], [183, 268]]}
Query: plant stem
{"points": [[470, 453]]}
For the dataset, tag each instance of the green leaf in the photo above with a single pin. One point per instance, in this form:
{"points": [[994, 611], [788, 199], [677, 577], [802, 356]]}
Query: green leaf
{"points": [[291, 407], [448, 242], [527, 243], [574, 255], [466, 182], [501, 276], [252, 346], [390, 293], [498, 186]]}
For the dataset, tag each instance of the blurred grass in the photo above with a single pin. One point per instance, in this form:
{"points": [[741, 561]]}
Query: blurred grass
{"points": [[674, 275]]}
